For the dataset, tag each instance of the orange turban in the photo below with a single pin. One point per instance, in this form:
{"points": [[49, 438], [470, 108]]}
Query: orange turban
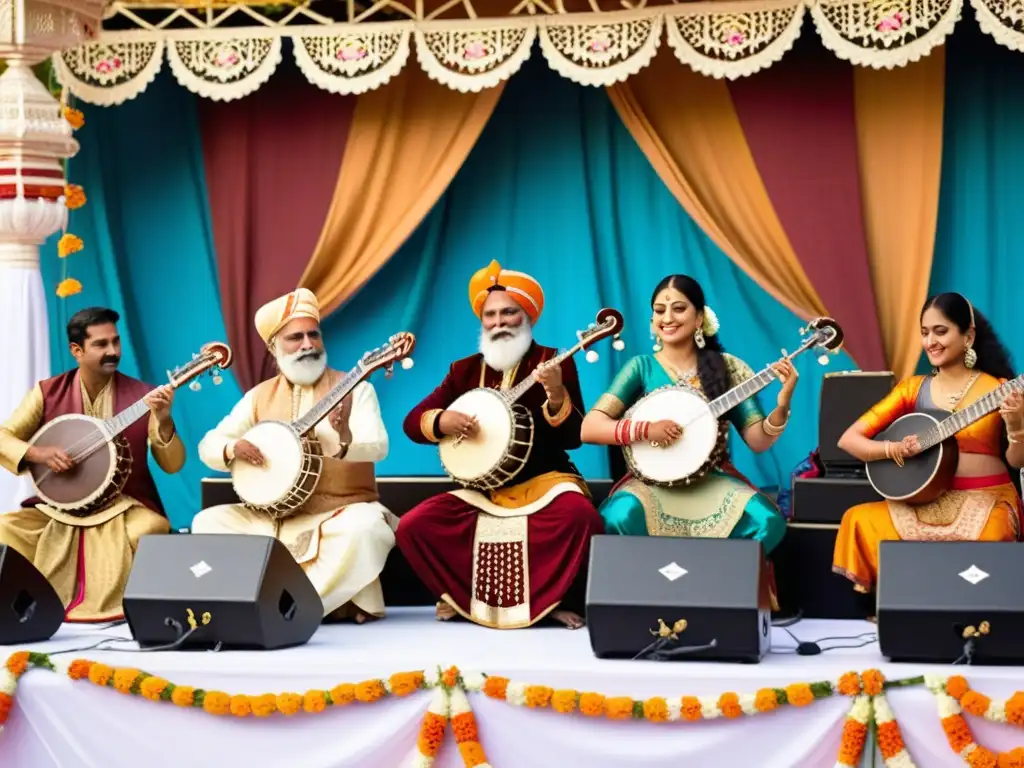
{"points": [[521, 287], [275, 315]]}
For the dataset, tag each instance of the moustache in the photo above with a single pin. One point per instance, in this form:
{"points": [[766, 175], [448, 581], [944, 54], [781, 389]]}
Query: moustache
{"points": [[313, 355], [503, 334], [110, 360]]}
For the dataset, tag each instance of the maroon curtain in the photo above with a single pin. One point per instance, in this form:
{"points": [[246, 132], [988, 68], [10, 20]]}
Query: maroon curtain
{"points": [[798, 117], [272, 162]]}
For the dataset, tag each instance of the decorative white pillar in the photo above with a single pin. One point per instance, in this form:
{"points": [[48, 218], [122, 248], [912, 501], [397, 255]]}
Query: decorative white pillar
{"points": [[34, 138]]}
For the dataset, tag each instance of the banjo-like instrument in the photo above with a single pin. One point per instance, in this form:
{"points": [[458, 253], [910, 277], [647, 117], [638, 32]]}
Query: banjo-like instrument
{"points": [[704, 441], [926, 476], [101, 456], [293, 458], [498, 452]]}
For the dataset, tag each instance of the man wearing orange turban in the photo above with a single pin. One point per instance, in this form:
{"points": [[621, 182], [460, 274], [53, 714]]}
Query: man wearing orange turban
{"points": [[342, 535], [515, 555]]}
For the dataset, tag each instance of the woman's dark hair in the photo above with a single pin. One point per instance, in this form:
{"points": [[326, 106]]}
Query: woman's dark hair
{"points": [[711, 368], [993, 358]]}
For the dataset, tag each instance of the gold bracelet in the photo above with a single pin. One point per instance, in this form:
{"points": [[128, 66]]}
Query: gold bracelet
{"points": [[1016, 437], [770, 429]]}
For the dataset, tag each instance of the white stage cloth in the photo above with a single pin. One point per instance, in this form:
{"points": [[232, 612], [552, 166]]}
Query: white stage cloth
{"points": [[58, 723]]}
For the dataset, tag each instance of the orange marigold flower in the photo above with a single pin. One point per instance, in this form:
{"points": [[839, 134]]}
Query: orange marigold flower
{"points": [[464, 727], [124, 679], [404, 683], [766, 700], [100, 674], [450, 677], [729, 703], [69, 244], [79, 669], [656, 709], [370, 691], [889, 738], [74, 196], [690, 708], [538, 696], [849, 684], [975, 703], [152, 688], [592, 704], [264, 705], [874, 682], [800, 695], [1015, 709], [314, 702], [182, 696], [1012, 759], [6, 702], [618, 708], [472, 753], [240, 706], [852, 745], [17, 663], [68, 287], [343, 694], [982, 758], [217, 703], [563, 702], [957, 686], [75, 117], [289, 703], [431, 734], [958, 733], [495, 687]]}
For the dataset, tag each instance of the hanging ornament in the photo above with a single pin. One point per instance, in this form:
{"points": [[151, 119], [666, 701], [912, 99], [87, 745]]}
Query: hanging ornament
{"points": [[592, 356]]}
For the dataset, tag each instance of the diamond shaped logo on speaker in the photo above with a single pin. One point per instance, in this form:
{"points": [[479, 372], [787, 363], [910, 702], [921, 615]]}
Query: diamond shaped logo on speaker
{"points": [[673, 571], [200, 569], [973, 575]]}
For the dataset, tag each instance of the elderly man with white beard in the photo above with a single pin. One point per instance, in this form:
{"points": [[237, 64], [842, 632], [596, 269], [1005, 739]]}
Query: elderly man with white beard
{"points": [[513, 556], [342, 535]]}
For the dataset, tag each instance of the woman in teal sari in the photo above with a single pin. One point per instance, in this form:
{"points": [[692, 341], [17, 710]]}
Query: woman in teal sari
{"points": [[687, 350]]}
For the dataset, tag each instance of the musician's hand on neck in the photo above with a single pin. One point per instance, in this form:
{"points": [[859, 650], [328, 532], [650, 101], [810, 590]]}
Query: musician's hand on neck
{"points": [[159, 402]]}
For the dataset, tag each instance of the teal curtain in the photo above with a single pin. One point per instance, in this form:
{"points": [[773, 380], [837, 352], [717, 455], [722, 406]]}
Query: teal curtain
{"points": [[149, 255], [557, 187], [978, 249]]}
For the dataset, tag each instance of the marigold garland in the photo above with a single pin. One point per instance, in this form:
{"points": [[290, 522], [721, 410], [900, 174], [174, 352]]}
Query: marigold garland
{"points": [[69, 244], [17, 664], [953, 697], [74, 196], [870, 707], [74, 117]]}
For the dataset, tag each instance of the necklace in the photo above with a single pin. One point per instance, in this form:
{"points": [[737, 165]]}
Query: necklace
{"points": [[956, 397], [689, 376]]}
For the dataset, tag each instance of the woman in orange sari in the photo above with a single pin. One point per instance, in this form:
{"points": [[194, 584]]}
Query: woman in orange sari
{"points": [[983, 505]]}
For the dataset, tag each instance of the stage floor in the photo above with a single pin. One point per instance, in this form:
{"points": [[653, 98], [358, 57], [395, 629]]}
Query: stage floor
{"points": [[56, 721]]}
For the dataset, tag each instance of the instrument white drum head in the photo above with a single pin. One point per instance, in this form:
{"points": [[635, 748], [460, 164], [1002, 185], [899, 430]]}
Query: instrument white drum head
{"points": [[473, 458], [283, 452], [685, 456]]}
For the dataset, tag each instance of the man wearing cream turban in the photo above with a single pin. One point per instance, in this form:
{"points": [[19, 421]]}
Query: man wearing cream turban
{"points": [[516, 555], [342, 535]]}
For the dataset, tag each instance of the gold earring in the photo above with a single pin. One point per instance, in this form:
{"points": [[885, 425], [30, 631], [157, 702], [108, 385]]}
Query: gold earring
{"points": [[657, 342], [698, 338], [970, 357]]}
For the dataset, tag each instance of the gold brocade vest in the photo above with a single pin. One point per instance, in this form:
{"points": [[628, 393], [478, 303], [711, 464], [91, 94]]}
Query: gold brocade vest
{"points": [[341, 482]]}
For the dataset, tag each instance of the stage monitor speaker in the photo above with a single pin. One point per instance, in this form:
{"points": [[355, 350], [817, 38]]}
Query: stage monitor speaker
{"points": [[929, 592], [30, 609], [236, 591], [719, 587], [845, 396], [825, 499]]}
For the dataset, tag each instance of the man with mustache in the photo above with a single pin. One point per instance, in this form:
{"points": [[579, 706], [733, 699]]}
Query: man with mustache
{"points": [[514, 556], [87, 559], [342, 535]]}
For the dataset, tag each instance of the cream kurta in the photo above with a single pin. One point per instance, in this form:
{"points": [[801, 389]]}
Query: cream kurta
{"points": [[341, 550], [106, 541]]}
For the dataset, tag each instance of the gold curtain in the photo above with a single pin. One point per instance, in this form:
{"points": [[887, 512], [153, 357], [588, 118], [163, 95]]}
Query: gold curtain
{"points": [[406, 143], [899, 135], [688, 128]]}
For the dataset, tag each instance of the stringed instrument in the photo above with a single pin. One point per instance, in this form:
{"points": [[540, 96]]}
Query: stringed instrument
{"points": [[294, 460], [927, 475], [101, 456], [703, 444], [497, 453]]}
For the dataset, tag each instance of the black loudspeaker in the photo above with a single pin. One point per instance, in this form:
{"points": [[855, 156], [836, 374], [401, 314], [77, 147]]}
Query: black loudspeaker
{"points": [[719, 587], [845, 397], [825, 499], [930, 592], [30, 609], [237, 591]]}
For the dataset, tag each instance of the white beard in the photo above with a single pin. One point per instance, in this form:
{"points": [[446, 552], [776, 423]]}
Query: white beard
{"points": [[303, 372], [503, 354]]}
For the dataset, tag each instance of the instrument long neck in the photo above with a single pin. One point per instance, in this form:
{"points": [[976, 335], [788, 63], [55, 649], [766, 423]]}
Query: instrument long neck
{"points": [[512, 395], [337, 393], [981, 407], [127, 417], [750, 387]]}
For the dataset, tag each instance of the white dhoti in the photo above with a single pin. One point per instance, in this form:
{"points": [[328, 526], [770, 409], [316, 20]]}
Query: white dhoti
{"points": [[343, 554]]}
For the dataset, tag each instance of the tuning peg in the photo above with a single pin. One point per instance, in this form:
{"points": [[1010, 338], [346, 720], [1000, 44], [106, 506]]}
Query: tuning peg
{"points": [[389, 370], [617, 343], [407, 363], [803, 331], [592, 356], [823, 360], [195, 386]]}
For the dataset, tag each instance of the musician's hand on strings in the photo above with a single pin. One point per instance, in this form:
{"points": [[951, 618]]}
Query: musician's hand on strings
{"points": [[458, 424], [249, 453], [159, 402], [340, 421], [663, 433], [788, 375], [910, 446], [55, 458], [1012, 411], [549, 375]]}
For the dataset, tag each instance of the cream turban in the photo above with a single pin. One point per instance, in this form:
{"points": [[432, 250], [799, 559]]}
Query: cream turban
{"points": [[521, 287], [275, 315]]}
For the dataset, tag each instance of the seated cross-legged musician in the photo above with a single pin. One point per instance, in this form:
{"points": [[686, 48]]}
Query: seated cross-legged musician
{"points": [[511, 557], [87, 559], [342, 535], [982, 504]]}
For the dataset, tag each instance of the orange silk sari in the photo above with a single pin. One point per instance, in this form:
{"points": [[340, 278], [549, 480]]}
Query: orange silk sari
{"points": [[974, 509]]}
